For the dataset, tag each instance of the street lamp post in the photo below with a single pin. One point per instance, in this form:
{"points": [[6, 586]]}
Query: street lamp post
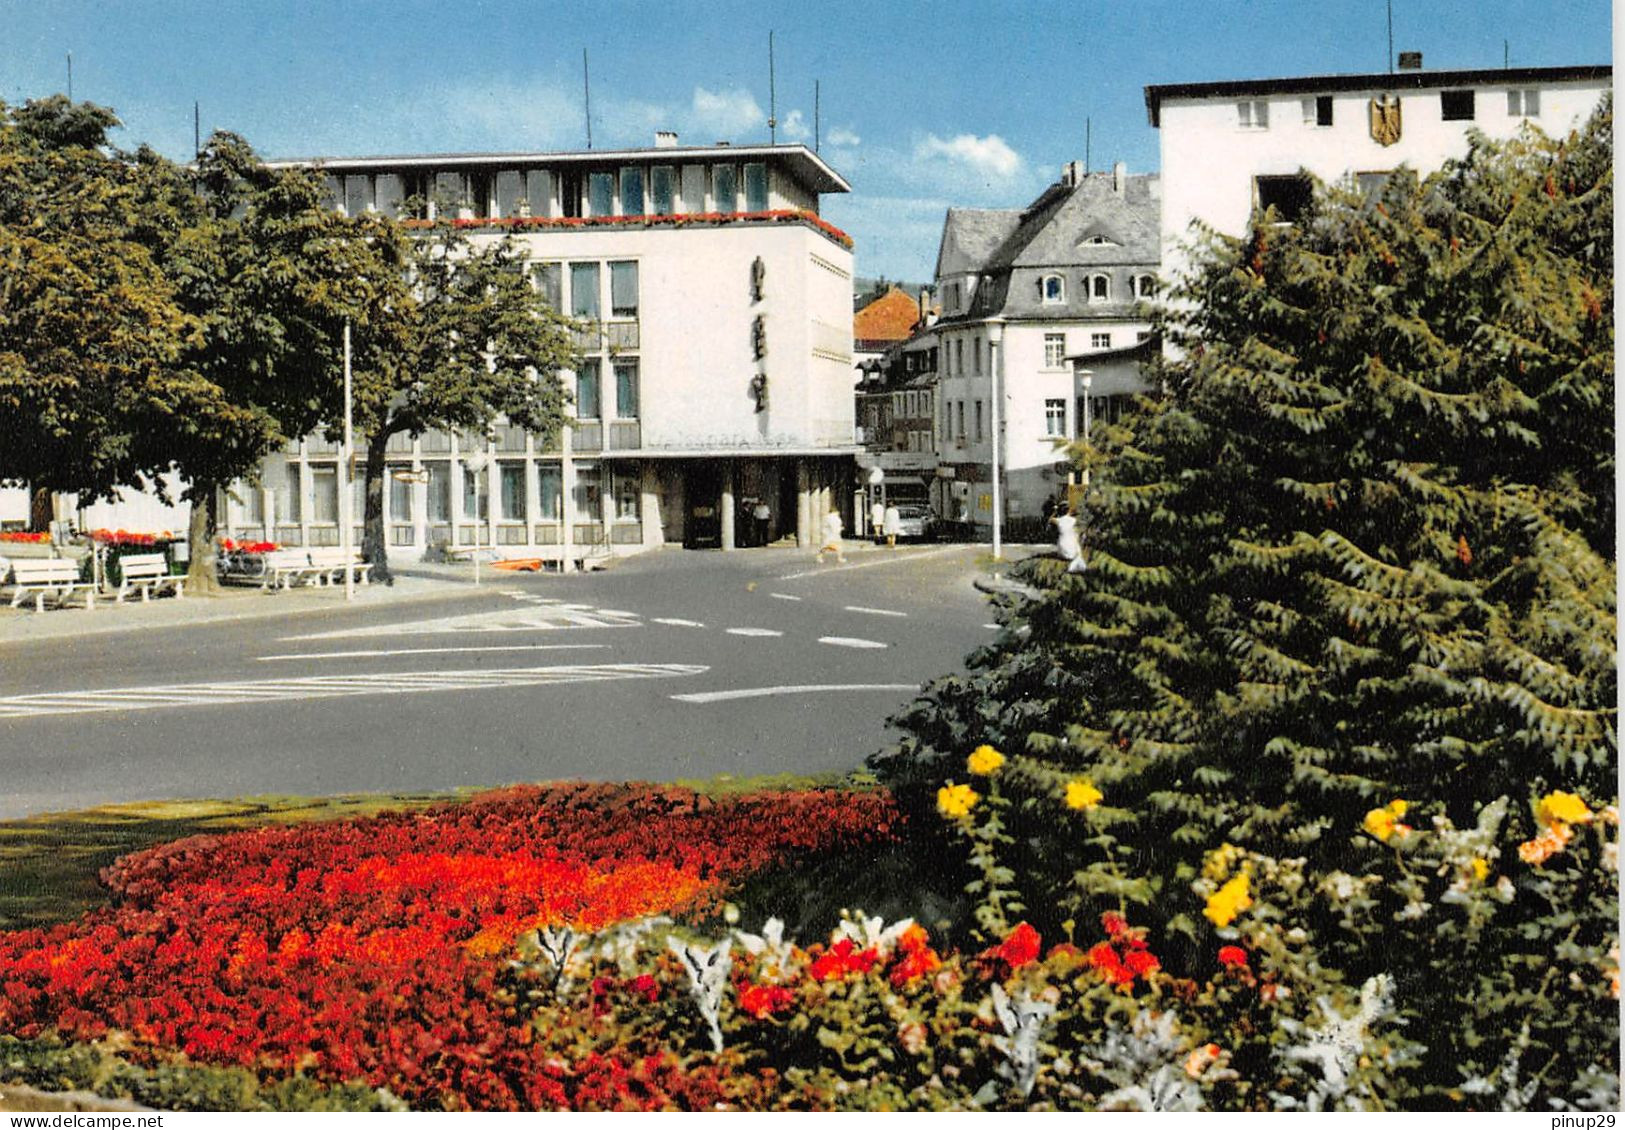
{"points": [[1087, 376], [475, 463], [347, 487], [995, 341]]}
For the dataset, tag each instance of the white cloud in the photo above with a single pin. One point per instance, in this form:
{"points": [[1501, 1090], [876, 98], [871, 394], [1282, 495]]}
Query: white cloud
{"points": [[988, 157], [794, 126], [842, 137], [725, 114]]}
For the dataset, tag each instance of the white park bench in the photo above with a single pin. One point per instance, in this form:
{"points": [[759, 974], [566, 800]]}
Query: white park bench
{"points": [[147, 572], [331, 563], [42, 576], [284, 568]]}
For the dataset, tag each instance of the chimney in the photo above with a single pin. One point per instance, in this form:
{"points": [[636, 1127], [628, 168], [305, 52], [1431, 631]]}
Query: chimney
{"points": [[665, 139], [1119, 177], [1410, 60], [925, 306], [1071, 173]]}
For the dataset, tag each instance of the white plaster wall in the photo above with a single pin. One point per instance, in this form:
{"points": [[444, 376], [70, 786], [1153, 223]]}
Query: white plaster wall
{"points": [[1209, 161], [695, 314]]}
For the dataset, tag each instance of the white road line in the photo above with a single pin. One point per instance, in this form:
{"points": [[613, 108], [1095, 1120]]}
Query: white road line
{"points": [[890, 559], [874, 611], [767, 692], [199, 694], [849, 641], [993, 627], [373, 653], [753, 632], [536, 618], [782, 596], [676, 623]]}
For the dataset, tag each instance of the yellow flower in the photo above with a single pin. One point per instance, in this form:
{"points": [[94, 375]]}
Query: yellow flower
{"points": [[956, 800], [1481, 869], [1383, 823], [1562, 808], [1081, 795], [1228, 901], [984, 761]]}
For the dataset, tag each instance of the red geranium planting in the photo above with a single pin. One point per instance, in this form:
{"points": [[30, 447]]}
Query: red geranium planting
{"points": [[1233, 957], [368, 949]]}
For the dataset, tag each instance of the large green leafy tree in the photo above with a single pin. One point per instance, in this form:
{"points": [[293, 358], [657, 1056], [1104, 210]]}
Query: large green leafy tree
{"points": [[461, 338], [1362, 550], [271, 272], [95, 381]]}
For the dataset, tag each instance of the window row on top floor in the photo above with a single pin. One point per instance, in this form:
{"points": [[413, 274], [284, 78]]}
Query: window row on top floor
{"points": [[631, 190], [1454, 106], [1097, 287]]}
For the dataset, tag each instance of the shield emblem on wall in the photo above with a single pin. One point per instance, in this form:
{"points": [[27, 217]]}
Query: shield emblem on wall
{"points": [[1385, 121]]}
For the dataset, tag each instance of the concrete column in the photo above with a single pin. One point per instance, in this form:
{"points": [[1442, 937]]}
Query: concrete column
{"points": [[804, 518], [728, 540], [305, 497], [649, 507], [567, 497]]}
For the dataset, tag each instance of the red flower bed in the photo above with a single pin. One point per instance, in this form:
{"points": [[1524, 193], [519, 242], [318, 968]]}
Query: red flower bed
{"points": [[25, 537], [367, 949], [129, 537], [675, 220]]}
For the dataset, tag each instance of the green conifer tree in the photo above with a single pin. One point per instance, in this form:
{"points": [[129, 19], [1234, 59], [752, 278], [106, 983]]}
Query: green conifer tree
{"points": [[1361, 550]]}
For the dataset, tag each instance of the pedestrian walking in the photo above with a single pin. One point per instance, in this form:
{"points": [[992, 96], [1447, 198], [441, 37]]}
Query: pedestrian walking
{"points": [[832, 538], [893, 524], [1066, 540], [877, 520]]}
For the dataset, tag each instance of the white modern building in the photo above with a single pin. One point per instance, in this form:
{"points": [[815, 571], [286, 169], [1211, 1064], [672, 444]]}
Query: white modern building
{"points": [[716, 371], [1028, 297], [1228, 147]]}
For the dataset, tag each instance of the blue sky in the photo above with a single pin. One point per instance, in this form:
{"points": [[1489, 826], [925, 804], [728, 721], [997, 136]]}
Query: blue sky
{"points": [[924, 105]]}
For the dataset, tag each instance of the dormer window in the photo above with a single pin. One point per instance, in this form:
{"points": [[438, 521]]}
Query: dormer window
{"points": [[1098, 241], [1145, 286], [1052, 289], [1100, 288]]}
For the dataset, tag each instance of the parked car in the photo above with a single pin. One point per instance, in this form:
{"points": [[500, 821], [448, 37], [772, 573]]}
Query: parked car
{"points": [[915, 521]]}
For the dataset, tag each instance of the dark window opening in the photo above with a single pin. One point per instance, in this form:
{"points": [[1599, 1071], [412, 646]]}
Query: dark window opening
{"points": [[1290, 196], [1456, 105], [1323, 110]]}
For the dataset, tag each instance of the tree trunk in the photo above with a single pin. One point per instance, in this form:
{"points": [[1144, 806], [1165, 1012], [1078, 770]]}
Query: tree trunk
{"points": [[39, 510], [372, 532], [201, 579]]}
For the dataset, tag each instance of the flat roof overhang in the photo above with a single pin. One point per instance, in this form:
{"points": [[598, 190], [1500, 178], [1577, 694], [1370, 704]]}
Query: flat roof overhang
{"points": [[808, 167], [1155, 96]]}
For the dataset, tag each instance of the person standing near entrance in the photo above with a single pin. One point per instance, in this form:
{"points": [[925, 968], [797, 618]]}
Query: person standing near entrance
{"points": [[877, 520], [832, 538], [894, 524], [763, 517]]}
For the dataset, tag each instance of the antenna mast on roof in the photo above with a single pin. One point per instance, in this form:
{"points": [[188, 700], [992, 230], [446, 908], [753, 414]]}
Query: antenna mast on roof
{"points": [[70, 76], [1088, 139], [586, 91], [1506, 54], [815, 115], [1390, 36], [772, 99], [197, 131]]}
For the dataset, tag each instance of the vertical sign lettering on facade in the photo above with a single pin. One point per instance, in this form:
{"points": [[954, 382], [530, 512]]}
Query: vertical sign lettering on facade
{"points": [[758, 334]]}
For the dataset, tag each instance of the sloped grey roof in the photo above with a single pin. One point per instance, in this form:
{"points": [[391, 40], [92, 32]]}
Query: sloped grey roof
{"points": [[1049, 235], [971, 235]]}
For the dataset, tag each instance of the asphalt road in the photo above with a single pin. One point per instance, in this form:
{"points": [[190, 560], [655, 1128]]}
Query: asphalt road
{"points": [[668, 666]]}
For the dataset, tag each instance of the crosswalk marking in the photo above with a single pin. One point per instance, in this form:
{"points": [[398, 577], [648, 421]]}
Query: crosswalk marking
{"points": [[873, 611], [850, 641], [753, 632], [327, 686]]}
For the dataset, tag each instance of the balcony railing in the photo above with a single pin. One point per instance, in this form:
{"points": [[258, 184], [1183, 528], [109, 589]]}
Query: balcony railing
{"points": [[622, 337], [625, 435], [588, 436]]}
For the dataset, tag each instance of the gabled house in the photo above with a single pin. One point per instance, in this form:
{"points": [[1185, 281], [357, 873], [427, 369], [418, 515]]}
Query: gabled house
{"points": [[1024, 293]]}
